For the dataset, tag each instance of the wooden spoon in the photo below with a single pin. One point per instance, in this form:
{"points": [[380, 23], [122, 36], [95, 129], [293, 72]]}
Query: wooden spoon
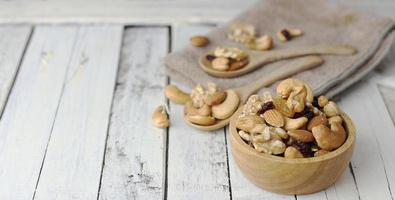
{"points": [[291, 68], [259, 58]]}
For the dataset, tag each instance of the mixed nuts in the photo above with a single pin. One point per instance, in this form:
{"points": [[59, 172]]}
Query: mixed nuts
{"points": [[228, 59], [292, 123]]}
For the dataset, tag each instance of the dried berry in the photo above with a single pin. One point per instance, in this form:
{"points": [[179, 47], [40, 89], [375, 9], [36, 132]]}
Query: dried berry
{"points": [[265, 107], [307, 112], [286, 34], [304, 148], [210, 57], [315, 102]]}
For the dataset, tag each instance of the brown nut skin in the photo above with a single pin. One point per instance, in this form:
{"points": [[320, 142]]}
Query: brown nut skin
{"points": [[301, 135], [317, 120], [320, 153], [160, 117], [238, 64], [199, 41], [216, 98], [292, 152], [175, 95], [329, 138], [249, 122], [274, 118]]}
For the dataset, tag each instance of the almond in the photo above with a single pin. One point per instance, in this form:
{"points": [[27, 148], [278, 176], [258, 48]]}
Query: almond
{"points": [[317, 120], [238, 64], [301, 135], [274, 118], [199, 41]]}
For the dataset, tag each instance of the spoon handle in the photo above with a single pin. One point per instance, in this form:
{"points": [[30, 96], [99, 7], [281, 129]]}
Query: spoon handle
{"points": [[275, 55], [291, 68]]}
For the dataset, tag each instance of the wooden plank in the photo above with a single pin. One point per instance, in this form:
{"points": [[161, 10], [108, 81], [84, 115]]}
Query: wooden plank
{"points": [[373, 163], [13, 40], [197, 164], [73, 162], [28, 117], [145, 12], [120, 11], [388, 94], [135, 149], [243, 189]]}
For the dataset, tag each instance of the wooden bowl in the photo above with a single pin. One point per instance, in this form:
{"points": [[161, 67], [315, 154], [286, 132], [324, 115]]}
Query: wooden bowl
{"points": [[296, 175]]}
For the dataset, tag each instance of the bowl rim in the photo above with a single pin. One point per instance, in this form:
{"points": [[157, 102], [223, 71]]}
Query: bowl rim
{"points": [[351, 135]]}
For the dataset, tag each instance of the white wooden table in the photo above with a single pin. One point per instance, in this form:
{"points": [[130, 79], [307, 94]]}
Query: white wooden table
{"points": [[76, 100]]}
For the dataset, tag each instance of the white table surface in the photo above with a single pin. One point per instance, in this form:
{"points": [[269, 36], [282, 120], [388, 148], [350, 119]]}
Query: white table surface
{"points": [[75, 113]]}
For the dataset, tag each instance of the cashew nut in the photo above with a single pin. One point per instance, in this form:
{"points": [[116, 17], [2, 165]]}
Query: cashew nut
{"points": [[331, 109], [301, 135], [292, 152], [249, 122], [262, 43], [287, 86], [322, 101], [329, 138], [293, 124], [220, 64], [246, 136], [201, 120], [335, 119], [320, 153], [205, 110], [215, 98], [160, 118], [227, 107], [317, 120], [174, 94]]}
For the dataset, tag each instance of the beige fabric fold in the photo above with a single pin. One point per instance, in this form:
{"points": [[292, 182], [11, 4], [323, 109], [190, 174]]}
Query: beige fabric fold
{"points": [[322, 23]]}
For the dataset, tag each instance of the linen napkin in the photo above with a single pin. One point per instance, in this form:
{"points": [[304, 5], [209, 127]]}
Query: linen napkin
{"points": [[321, 22]]}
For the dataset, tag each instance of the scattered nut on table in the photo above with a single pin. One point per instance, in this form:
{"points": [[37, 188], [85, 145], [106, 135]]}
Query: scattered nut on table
{"points": [[160, 118], [199, 41], [291, 123]]}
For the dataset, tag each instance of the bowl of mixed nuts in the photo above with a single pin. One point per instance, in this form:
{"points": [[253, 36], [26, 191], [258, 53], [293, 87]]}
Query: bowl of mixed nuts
{"points": [[291, 142]]}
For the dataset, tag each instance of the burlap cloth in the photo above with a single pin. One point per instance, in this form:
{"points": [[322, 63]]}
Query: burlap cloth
{"points": [[321, 22]]}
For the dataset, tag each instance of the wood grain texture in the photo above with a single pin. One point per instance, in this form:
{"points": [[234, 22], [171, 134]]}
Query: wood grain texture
{"points": [[30, 112], [13, 41], [197, 164], [242, 188], [135, 149], [373, 163], [292, 176], [388, 94], [120, 11], [145, 12], [73, 162]]}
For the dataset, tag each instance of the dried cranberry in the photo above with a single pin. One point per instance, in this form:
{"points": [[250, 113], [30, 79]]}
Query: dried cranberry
{"points": [[265, 107], [210, 57], [304, 148], [315, 102], [286, 34], [307, 112]]}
